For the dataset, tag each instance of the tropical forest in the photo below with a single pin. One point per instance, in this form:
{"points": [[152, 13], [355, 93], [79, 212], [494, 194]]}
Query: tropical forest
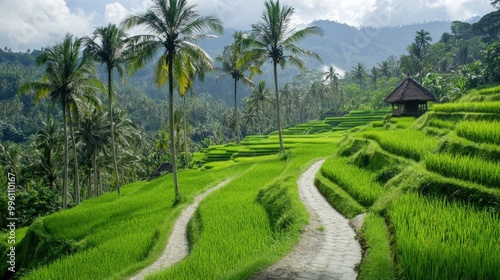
{"points": [[168, 147]]}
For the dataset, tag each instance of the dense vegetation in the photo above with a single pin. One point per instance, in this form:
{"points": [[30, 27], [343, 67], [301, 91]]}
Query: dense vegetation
{"points": [[437, 192], [429, 181]]}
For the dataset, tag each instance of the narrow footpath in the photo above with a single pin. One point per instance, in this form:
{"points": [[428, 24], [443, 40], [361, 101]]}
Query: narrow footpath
{"points": [[327, 249], [177, 245]]}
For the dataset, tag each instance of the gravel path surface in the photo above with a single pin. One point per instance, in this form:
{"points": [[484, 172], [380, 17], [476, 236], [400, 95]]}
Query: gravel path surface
{"points": [[177, 245], [327, 249]]}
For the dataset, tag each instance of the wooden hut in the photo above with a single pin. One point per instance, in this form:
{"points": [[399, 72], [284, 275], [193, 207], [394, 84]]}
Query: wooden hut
{"points": [[409, 99]]}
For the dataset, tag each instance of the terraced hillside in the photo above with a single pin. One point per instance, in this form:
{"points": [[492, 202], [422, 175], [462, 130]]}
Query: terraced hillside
{"points": [[317, 131], [431, 187], [115, 237]]}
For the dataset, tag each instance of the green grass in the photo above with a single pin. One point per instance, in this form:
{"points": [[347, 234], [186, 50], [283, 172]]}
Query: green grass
{"points": [[468, 168], [363, 186], [436, 239], [477, 107], [338, 198], [250, 223], [377, 261], [408, 143], [403, 122], [455, 145], [480, 131], [112, 236], [482, 95]]}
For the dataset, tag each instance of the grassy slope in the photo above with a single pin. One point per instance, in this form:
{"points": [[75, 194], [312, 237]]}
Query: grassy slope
{"points": [[441, 198], [250, 223], [392, 157], [111, 237]]}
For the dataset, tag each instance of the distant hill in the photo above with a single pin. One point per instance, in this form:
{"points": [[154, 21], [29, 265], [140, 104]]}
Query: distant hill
{"points": [[345, 45], [342, 45]]}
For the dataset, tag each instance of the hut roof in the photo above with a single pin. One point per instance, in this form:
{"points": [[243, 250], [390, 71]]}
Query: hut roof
{"points": [[410, 90]]}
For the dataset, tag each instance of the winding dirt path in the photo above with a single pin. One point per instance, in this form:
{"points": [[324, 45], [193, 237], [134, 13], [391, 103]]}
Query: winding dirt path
{"points": [[327, 249], [177, 245]]}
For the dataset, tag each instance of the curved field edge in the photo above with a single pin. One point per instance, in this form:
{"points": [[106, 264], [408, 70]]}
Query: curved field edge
{"points": [[110, 236], [251, 223], [391, 247]]}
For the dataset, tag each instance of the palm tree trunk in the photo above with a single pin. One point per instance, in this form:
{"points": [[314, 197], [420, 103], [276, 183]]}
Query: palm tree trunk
{"points": [[236, 121], [66, 160], [186, 154], [96, 187], [89, 183], [259, 125], [171, 122], [112, 127], [278, 118], [75, 161]]}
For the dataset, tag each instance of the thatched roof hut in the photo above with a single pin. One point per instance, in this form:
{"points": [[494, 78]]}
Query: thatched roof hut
{"points": [[409, 98]]}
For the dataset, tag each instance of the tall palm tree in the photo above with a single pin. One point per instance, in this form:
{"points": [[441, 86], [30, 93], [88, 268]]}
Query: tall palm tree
{"points": [[67, 78], [237, 59], [257, 99], [109, 46], [423, 39], [275, 36], [385, 69], [10, 158], [359, 73], [175, 26], [332, 77], [47, 141], [374, 76], [94, 135]]}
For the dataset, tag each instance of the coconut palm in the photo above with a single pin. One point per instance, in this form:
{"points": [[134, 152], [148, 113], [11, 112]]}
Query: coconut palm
{"points": [[237, 59], [175, 26], [108, 45], [94, 136], [10, 158], [68, 77], [385, 69], [374, 75], [332, 77], [359, 73], [275, 37], [257, 99], [423, 39], [47, 141]]}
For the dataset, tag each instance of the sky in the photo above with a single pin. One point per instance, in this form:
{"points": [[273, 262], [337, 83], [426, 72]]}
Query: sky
{"points": [[33, 24]]}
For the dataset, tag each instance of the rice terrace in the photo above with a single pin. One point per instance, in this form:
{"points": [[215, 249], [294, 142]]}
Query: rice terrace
{"points": [[120, 160]]}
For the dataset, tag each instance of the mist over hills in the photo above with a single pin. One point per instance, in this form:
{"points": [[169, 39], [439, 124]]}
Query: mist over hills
{"points": [[342, 45]]}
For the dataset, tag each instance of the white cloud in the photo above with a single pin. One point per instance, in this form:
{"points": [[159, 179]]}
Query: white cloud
{"points": [[408, 12], [36, 23], [39, 23], [115, 12]]}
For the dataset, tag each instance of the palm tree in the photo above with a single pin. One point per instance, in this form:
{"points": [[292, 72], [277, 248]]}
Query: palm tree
{"points": [[176, 27], [359, 73], [47, 141], [274, 36], [385, 69], [94, 135], [423, 39], [108, 45], [67, 78], [418, 49], [374, 76], [10, 158], [237, 59], [257, 99], [332, 77]]}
